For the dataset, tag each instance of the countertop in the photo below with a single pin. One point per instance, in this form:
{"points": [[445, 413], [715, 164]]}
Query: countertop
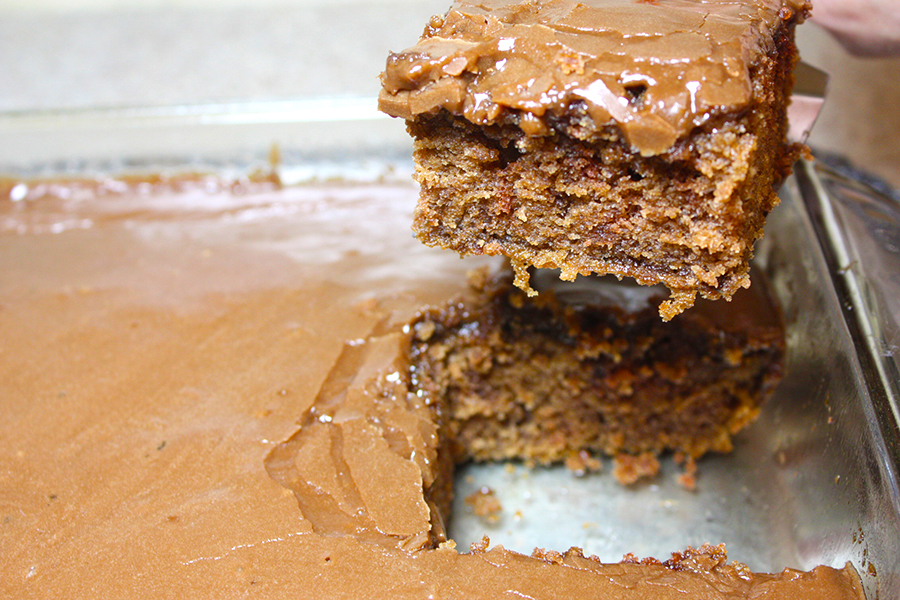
{"points": [[61, 55]]}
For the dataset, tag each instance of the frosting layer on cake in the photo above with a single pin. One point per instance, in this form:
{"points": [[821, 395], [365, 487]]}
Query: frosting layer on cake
{"points": [[656, 70]]}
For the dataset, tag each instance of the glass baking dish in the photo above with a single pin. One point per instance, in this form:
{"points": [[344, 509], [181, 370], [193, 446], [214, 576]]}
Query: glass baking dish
{"points": [[813, 481]]}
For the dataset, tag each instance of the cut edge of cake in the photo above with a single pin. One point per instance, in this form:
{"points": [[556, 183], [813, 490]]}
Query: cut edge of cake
{"points": [[551, 187]]}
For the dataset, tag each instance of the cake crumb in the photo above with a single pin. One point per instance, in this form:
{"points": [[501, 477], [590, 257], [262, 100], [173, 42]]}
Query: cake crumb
{"points": [[734, 356], [485, 504], [629, 469], [425, 330], [688, 478], [581, 463], [550, 556], [688, 481], [481, 546]]}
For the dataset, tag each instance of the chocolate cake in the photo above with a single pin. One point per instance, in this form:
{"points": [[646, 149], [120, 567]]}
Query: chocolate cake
{"points": [[640, 139], [582, 368], [208, 394]]}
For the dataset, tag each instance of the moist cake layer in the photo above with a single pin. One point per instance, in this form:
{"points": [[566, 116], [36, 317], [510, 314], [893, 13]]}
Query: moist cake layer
{"points": [[640, 139], [164, 349], [578, 369]]}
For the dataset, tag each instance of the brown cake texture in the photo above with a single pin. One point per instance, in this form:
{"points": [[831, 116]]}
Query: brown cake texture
{"points": [[580, 368], [493, 374], [640, 139], [209, 393]]}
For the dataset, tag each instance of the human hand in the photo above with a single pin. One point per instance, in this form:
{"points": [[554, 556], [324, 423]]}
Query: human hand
{"points": [[863, 27]]}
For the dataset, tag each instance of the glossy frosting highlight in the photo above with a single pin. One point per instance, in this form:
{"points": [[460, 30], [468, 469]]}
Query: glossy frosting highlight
{"points": [[655, 69]]}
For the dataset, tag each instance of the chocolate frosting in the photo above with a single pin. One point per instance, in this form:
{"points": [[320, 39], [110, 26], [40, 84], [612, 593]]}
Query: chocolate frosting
{"points": [[206, 395], [655, 69]]}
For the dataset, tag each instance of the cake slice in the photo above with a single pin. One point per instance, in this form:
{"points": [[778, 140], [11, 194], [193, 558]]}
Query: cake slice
{"points": [[588, 366], [640, 139]]}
